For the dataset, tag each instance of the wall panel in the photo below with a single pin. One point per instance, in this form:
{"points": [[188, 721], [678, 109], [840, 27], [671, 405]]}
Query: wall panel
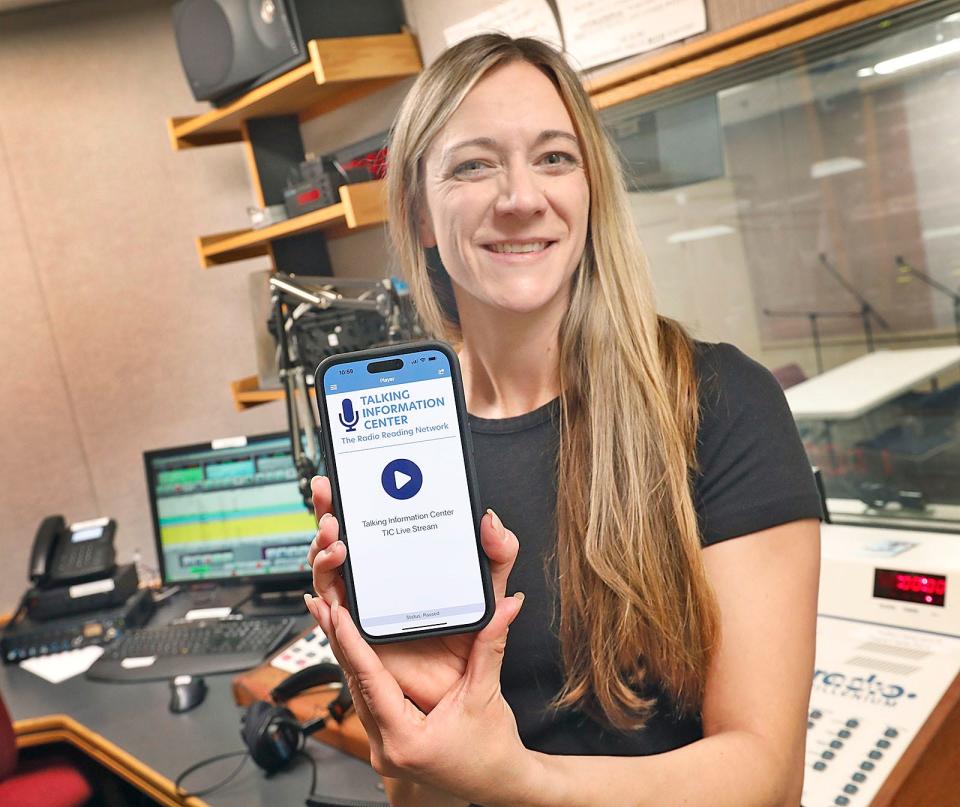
{"points": [[100, 235], [42, 463]]}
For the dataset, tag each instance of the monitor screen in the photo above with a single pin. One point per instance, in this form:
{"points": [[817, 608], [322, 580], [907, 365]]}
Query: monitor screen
{"points": [[229, 510]]}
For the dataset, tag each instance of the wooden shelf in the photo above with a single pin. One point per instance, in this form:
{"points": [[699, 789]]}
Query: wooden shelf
{"points": [[339, 71], [246, 393], [361, 205]]}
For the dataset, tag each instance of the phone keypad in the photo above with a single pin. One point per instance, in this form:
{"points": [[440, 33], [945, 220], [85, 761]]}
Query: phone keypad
{"points": [[79, 558]]}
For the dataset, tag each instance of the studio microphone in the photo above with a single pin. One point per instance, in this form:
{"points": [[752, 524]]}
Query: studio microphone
{"points": [[348, 417]]}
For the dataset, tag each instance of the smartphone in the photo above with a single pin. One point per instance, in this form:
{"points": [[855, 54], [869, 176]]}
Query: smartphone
{"points": [[400, 464]]}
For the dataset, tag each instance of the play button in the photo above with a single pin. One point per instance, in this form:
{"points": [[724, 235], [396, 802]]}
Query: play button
{"points": [[401, 479]]}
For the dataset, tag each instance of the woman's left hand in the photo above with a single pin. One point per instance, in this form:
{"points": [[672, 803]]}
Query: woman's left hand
{"points": [[468, 745]]}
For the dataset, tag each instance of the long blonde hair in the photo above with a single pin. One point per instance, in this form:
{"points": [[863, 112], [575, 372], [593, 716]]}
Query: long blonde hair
{"points": [[635, 606]]}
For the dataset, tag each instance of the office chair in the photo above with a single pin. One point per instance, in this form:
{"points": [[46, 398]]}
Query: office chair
{"points": [[37, 783]]}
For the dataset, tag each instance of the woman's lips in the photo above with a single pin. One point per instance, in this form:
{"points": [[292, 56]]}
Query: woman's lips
{"points": [[523, 253]]}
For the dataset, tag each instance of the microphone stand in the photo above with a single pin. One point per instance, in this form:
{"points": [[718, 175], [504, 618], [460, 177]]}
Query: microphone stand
{"points": [[906, 268], [286, 289], [813, 316], [866, 310]]}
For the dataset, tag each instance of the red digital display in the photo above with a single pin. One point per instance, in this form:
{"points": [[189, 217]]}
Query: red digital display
{"points": [[926, 589]]}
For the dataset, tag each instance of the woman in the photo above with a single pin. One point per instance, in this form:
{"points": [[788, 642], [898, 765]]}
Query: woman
{"points": [[655, 662]]}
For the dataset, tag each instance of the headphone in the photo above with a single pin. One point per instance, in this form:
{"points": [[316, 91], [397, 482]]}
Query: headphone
{"points": [[270, 731], [272, 734]]}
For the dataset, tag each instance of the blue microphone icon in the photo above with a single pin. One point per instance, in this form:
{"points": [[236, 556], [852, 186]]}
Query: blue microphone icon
{"points": [[349, 417]]}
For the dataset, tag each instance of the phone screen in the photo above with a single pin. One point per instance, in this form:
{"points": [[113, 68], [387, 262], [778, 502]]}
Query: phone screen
{"points": [[404, 493]]}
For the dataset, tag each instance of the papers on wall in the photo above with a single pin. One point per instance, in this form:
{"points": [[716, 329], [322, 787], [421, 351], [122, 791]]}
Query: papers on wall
{"points": [[601, 31], [513, 17], [61, 666]]}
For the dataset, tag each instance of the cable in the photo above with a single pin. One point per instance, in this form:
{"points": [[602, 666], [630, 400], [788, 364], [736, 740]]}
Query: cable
{"points": [[313, 775], [184, 794], [313, 799], [162, 595]]}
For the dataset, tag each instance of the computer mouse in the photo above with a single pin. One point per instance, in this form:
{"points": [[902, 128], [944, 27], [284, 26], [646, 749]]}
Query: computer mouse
{"points": [[186, 692]]}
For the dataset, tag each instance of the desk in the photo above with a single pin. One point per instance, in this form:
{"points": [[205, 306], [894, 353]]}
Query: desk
{"points": [[125, 721], [854, 388]]}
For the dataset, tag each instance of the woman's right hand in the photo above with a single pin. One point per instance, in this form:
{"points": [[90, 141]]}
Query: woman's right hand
{"points": [[424, 668]]}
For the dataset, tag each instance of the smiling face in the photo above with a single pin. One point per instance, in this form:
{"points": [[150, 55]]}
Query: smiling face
{"points": [[507, 200]]}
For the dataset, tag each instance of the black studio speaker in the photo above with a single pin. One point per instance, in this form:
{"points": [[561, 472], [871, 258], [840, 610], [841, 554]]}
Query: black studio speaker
{"points": [[228, 47]]}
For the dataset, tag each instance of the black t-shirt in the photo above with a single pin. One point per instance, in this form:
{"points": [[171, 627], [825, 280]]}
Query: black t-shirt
{"points": [[753, 475]]}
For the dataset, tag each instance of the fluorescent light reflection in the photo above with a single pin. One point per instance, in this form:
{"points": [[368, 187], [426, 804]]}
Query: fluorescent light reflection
{"points": [[699, 234], [940, 232], [921, 56], [835, 165]]}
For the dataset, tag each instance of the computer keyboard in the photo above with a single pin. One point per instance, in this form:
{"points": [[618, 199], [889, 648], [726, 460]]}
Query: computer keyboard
{"points": [[199, 647]]}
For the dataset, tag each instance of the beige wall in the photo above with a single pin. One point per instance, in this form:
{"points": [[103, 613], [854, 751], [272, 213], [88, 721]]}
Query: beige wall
{"points": [[112, 339]]}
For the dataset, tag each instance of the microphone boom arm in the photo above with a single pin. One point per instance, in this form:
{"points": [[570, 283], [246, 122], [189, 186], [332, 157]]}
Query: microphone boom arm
{"points": [[866, 309]]}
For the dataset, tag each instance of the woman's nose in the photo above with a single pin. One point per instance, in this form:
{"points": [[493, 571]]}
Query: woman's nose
{"points": [[520, 193]]}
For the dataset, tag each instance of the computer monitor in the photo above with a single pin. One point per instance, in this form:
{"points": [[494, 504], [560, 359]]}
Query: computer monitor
{"points": [[230, 511]]}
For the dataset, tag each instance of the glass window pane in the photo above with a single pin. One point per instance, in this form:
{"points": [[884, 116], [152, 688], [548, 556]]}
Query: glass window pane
{"points": [[806, 209]]}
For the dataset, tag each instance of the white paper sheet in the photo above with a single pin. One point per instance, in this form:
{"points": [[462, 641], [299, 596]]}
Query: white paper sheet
{"points": [[61, 666], [207, 613], [514, 17], [601, 31]]}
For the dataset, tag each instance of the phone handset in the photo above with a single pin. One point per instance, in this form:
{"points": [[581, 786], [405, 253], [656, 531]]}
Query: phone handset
{"points": [[44, 544], [64, 554]]}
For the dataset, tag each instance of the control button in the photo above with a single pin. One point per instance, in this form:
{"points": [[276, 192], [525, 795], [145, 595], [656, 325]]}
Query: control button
{"points": [[816, 714], [401, 479], [843, 734], [875, 754], [883, 743], [867, 766], [819, 766], [828, 755], [850, 789], [809, 724], [859, 777], [891, 733], [852, 724], [841, 800], [836, 744]]}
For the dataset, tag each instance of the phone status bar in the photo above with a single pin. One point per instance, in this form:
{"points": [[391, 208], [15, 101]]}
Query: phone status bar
{"points": [[354, 376]]}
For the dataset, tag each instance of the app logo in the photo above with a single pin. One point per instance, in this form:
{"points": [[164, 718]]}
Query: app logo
{"points": [[401, 479], [349, 417]]}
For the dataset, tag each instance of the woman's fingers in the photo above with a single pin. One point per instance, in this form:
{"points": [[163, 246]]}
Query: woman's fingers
{"points": [[321, 613], [372, 681], [322, 496], [360, 664], [501, 546], [363, 712], [324, 537], [482, 679], [320, 487], [327, 559]]}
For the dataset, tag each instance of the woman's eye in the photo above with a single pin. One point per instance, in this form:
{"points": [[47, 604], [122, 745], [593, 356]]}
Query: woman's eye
{"points": [[470, 168], [558, 159]]}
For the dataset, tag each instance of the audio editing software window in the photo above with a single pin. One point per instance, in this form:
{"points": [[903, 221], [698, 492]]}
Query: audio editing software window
{"points": [[233, 511]]}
